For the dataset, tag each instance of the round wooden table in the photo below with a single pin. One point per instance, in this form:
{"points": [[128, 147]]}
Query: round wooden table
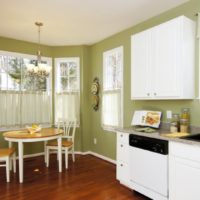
{"points": [[22, 136]]}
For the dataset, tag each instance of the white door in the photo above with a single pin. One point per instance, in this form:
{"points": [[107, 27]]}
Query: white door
{"points": [[140, 62], [166, 56], [184, 179]]}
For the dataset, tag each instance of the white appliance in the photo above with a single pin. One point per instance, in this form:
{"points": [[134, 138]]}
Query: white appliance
{"points": [[149, 166]]}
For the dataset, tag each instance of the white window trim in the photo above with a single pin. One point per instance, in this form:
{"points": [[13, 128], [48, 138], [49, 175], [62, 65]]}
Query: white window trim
{"points": [[34, 57], [198, 38], [56, 62], [110, 128]]}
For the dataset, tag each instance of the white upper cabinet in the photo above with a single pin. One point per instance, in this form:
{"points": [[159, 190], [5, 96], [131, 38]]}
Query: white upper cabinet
{"points": [[162, 61]]}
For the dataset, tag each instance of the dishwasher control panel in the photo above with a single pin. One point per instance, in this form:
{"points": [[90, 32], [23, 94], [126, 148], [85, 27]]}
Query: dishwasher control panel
{"points": [[149, 144]]}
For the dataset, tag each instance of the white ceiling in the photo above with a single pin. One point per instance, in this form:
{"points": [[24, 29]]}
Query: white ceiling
{"points": [[75, 22]]}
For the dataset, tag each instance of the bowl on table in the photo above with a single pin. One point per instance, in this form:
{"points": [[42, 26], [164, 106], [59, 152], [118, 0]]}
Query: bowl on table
{"points": [[34, 129]]}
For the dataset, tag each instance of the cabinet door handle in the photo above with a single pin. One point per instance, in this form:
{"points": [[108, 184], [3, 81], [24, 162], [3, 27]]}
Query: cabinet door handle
{"points": [[155, 94], [121, 145], [148, 94], [121, 165], [121, 135]]}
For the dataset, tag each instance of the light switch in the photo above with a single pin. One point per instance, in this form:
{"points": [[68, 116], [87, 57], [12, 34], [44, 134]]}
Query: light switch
{"points": [[169, 114]]}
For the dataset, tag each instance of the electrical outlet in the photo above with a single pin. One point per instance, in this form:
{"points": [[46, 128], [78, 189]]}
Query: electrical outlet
{"points": [[169, 114], [95, 140]]}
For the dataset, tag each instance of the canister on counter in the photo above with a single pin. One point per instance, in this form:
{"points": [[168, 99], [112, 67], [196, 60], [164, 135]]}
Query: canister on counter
{"points": [[174, 125], [185, 113], [184, 125]]}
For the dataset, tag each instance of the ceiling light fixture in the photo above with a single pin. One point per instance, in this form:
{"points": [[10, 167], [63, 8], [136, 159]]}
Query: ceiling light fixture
{"points": [[40, 69]]}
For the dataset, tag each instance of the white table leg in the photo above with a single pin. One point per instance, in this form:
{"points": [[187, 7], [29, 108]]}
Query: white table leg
{"points": [[20, 154], [60, 153], [10, 144], [8, 169], [45, 151]]}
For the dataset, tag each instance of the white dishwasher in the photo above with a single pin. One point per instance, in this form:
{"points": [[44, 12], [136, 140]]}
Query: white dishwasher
{"points": [[149, 166]]}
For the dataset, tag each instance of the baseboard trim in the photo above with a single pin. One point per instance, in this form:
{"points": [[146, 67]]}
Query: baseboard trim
{"points": [[77, 152], [102, 157]]}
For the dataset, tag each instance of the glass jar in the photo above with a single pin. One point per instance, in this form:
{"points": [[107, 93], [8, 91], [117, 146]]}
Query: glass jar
{"points": [[174, 125], [185, 114], [184, 125]]}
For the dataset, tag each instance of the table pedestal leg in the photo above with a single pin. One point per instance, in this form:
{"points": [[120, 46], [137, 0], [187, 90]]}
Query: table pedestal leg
{"points": [[60, 153], [20, 154]]}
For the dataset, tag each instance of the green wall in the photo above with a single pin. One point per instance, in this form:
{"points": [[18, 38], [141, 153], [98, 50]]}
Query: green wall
{"points": [[91, 66], [83, 132], [106, 141], [7, 44]]}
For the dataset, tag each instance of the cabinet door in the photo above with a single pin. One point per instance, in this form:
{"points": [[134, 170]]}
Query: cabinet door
{"points": [[140, 61], [123, 173], [165, 53], [184, 179], [123, 152]]}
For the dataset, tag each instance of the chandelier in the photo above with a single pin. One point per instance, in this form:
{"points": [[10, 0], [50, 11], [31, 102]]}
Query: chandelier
{"points": [[38, 69]]}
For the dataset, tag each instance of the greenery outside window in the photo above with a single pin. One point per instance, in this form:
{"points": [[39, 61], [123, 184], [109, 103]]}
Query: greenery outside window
{"points": [[24, 99]]}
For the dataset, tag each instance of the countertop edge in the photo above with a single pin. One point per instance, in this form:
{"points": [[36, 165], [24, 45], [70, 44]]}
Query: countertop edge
{"points": [[158, 135]]}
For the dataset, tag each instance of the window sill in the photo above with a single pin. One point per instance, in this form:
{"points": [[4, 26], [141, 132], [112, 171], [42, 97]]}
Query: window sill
{"points": [[109, 129]]}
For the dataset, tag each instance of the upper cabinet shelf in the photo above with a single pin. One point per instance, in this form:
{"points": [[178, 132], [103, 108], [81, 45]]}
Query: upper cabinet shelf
{"points": [[163, 61]]}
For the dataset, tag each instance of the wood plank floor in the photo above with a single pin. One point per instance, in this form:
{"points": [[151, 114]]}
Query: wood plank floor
{"points": [[89, 178]]}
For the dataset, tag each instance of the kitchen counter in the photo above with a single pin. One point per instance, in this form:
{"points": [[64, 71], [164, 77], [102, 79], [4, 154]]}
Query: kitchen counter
{"points": [[156, 175], [159, 135]]}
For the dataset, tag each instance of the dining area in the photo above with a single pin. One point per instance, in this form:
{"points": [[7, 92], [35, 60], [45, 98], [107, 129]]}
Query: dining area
{"points": [[55, 140]]}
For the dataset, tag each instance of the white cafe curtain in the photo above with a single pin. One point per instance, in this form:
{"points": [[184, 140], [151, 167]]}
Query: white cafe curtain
{"points": [[22, 108], [67, 106], [111, 109]]}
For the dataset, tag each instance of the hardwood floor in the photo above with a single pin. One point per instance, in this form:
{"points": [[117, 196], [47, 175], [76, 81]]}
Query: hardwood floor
{"points": [[89, 178]]}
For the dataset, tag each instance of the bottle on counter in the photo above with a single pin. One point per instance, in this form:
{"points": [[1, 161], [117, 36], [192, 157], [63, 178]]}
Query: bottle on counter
{"points": [[185, 113], [174, 125], [184, 125], [184, 120]]}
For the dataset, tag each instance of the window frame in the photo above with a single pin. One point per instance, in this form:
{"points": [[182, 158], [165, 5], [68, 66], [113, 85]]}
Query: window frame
{"points": [[56, 62], [119, 49], [32, 57]]}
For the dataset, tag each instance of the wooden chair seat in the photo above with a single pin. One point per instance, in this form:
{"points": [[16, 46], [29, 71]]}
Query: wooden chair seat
{"points": [[7, 152], [65, 143]]}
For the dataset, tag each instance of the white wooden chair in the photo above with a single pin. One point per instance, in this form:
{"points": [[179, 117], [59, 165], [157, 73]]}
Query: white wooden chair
{"points": [[6, 155], [69, 128]]}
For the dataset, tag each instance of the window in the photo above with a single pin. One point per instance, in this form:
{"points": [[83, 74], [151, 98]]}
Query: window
{"points": [[67, 89], [23, 99], [112, 114]]}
